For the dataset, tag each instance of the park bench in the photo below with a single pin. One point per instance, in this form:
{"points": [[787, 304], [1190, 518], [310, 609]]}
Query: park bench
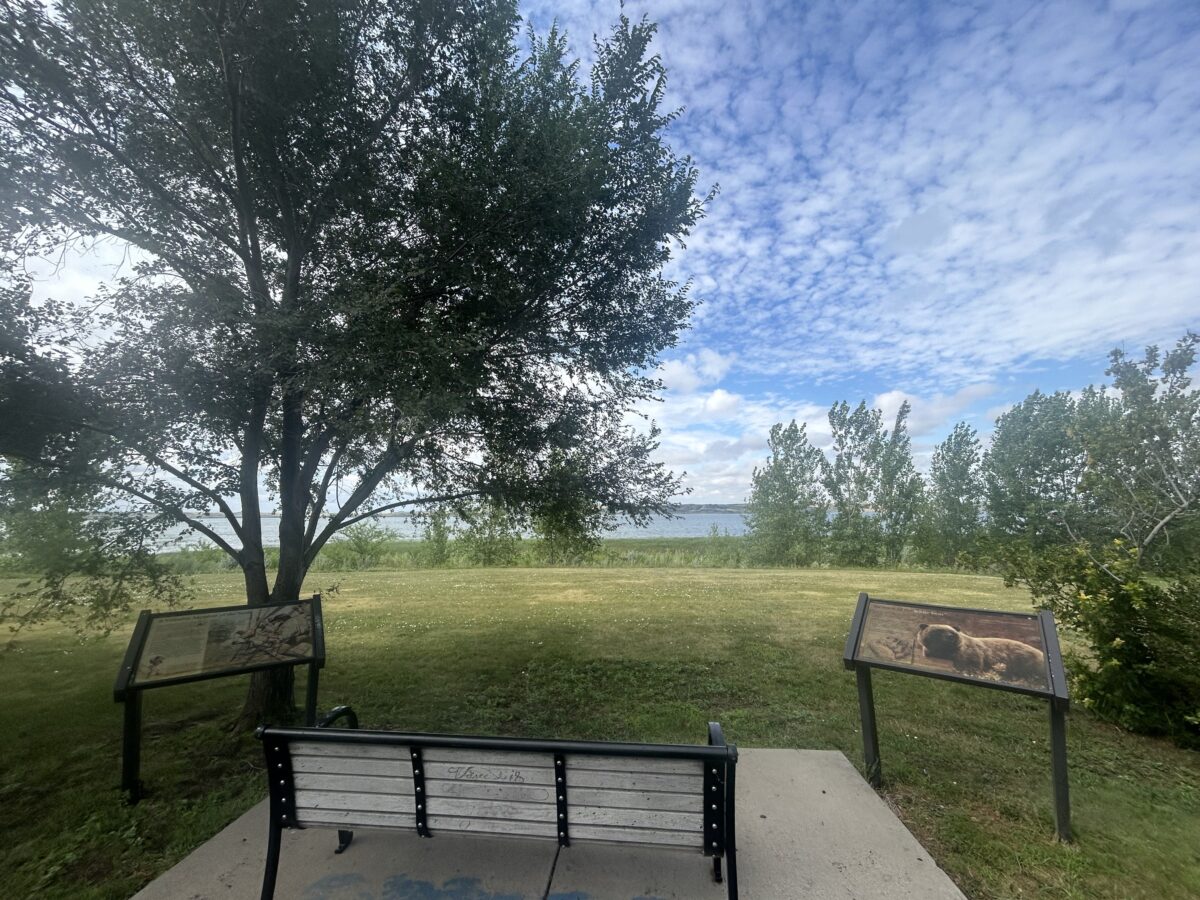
{"points": [[670, 795]]}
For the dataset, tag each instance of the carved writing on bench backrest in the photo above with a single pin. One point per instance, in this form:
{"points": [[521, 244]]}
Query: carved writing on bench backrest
{"points": [[478, 773]]}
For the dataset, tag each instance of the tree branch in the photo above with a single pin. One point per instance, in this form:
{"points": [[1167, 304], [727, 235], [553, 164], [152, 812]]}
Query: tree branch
{"points": [[416, 501]]}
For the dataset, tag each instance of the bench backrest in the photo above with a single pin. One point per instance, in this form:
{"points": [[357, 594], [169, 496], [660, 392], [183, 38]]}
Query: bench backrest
{"points": [[674, 795]]}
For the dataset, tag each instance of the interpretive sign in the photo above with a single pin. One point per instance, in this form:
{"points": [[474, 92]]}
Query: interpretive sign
{"points": [[194, 645], [1009, 651], [211, 642], [1001, 649]]}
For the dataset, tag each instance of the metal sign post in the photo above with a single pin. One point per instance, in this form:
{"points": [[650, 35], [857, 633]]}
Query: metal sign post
{"points": [[195, 645], [1016, 652]]}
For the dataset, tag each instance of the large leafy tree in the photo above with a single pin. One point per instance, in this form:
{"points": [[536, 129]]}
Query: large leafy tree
{"points": [[1032, 474], [1141, 437], [384, 257], [1092, 503], [874, 487], [951, 518], [788, 508]]}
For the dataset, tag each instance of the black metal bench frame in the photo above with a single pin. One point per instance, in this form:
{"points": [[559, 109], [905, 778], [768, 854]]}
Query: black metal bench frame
{"points": [[719, 779]]}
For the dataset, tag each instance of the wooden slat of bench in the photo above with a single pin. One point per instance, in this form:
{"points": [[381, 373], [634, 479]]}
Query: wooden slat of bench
{"points": [[360, 783], [645, 764], [353, 800], [487, 757], [481, 790], [633, 781], [353, 818], [636, 836], [638, 818], [345, 765], [492, 826], [663, 800], [357, 751], [492, 809], [498, 774]]}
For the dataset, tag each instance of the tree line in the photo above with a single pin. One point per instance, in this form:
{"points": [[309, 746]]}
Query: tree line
{"points": [[1089, 498]]}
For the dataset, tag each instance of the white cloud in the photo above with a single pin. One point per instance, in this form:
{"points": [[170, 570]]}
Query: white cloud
{"points": [[695, 370], [935, 413]]}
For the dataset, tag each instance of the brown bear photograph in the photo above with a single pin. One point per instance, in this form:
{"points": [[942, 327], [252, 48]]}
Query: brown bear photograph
{"points": [[1002, 648]]}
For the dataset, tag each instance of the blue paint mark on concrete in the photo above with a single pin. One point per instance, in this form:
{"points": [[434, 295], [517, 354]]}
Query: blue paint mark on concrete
{"points": [[401, 887], [339, 887]]}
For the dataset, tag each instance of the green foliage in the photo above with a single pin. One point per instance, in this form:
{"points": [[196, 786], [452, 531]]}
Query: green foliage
{"points": [[873, 485], [724, 549], [87, 565], [1141, 437], [1143, 668], [491, 536], [1093, 502], [788, 508], [436, 533], [950, 522], [568, 521], [1032, 474], [385, 256], [366, 542]]}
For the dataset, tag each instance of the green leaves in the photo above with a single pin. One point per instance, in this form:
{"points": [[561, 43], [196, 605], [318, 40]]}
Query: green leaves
{"points": [[873, 484], [1092, 503], [386, 255], [788, 507], [951, 518]]}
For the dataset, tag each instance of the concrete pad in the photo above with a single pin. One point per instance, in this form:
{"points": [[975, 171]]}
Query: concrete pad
{"points": [[807, 826], [378, 865], [598, 871]]}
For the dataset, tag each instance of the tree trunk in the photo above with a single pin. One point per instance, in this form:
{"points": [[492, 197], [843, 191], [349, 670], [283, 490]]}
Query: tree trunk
{"points": [[271, 699]]}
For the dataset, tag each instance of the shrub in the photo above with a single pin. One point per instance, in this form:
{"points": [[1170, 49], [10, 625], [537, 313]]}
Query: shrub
{"points": [[435, 548], [1143, 633], [490, 538]]}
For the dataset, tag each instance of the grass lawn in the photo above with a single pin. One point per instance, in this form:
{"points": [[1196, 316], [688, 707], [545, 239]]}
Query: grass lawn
{"points": [[634, 654]]}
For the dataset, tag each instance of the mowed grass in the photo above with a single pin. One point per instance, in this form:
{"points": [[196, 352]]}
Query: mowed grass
{"points": [[621, 654]]}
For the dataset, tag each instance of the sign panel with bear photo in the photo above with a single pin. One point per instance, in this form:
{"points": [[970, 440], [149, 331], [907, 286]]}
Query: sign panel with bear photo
{"points": [[1010, 651], [998, 648]]}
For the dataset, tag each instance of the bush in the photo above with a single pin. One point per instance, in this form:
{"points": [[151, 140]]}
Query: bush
{"points": [[366, 542], [435, 547], [1143, 670], [490, 538]]}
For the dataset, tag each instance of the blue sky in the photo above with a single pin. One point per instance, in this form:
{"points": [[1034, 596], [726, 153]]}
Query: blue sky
{"points": [[953, 203]]}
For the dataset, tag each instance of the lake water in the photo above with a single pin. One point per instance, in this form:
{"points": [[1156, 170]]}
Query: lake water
{"points": [[692, 524]]}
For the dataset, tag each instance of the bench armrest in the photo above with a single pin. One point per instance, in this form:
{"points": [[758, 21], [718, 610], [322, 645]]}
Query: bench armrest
{"points": [[716, 737]]}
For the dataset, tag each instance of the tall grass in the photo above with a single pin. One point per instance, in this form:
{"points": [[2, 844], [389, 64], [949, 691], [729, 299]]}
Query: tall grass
{"points": [[714, 551]]}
